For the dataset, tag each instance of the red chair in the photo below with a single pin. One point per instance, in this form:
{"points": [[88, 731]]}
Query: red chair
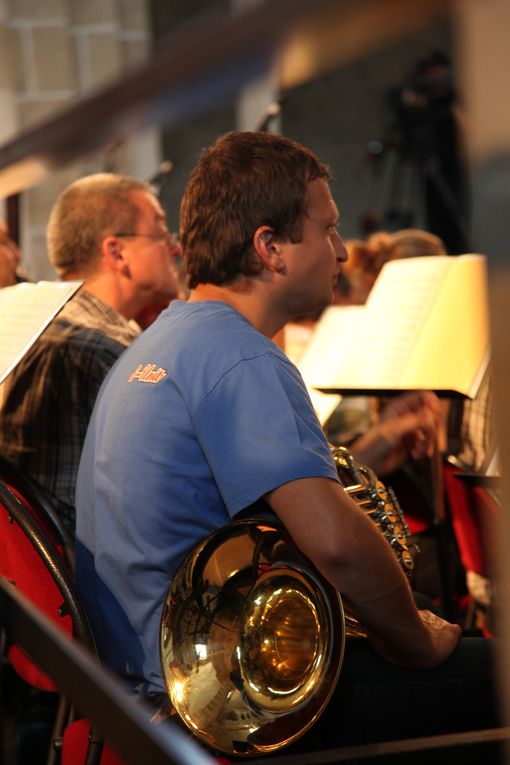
{"points": [[35, 554], [75, 746], [32, 498], [34, 557], [472, 512]]}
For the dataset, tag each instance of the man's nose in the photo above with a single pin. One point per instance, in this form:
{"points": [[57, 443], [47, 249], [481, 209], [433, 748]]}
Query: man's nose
{"points": [[341, 251]]}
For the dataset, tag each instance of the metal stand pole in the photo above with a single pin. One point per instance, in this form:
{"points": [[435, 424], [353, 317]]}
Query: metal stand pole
{"points": [[441, 533]]}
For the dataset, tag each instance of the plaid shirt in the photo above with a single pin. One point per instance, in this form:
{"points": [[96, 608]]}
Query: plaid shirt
{"points": [[471, 427], [48, 399]]}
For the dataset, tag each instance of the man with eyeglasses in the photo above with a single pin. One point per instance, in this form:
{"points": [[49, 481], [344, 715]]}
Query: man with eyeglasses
{"points": [[110, 231]]}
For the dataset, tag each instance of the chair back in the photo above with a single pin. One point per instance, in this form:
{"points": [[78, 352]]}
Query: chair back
{"points": [[472, 511], [31, 496], [32, 556]]}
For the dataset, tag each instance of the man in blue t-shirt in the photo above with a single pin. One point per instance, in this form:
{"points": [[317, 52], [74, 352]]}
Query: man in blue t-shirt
{"points": [[204, 415]]}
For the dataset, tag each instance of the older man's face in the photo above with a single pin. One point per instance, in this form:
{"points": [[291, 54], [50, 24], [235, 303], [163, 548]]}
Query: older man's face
{"points": [[151, 252]]}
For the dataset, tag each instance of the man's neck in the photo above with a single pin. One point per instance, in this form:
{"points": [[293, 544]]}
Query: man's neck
{"points": [[104, 284], [246, 298], [109, 292]]}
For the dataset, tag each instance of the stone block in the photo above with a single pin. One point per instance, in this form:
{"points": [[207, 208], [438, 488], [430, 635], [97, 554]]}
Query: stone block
{"points": [[9, 112], [54, 59], [36, 206], [133, 14], [37, 9], [12, 70], [105, 57], [34, 259], [93, 11], [44, 194], [30, 113]]}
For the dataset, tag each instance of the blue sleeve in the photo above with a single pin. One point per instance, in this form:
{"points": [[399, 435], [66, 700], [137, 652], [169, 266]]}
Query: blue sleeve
{"points": [[258, 430]]}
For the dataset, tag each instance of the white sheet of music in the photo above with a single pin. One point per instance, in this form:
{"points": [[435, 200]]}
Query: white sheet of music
{"points": [[426, 326], [397, 310], [25, 311], [329, 346]]}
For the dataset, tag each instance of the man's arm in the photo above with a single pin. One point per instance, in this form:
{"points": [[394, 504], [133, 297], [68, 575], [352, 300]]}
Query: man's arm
{"points": [[408, 426], [348, 549]]}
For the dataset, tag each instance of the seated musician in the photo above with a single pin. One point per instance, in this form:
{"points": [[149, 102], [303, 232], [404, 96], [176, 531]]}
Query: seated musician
{"points": [[108, 230], [204, 415]]}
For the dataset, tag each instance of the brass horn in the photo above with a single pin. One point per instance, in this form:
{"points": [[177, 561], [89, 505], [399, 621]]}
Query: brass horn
{"points": [[252, 636]]}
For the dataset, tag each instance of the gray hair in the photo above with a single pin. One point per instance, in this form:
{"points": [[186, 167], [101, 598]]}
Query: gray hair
{"points": [[87, 211]]}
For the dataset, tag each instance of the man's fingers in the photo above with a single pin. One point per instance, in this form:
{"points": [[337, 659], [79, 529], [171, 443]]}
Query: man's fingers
{"points": [[414, 401]]}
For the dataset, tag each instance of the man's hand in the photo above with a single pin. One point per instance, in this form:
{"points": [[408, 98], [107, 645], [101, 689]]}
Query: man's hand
{"points": [[439, 641], [349, 550], [407, 427]]}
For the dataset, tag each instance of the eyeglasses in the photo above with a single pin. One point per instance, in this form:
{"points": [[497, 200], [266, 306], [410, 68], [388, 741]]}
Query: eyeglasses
{"points": [[163, 235]]}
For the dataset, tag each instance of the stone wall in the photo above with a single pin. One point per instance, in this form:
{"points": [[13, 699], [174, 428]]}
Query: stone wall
{"points": [[337, 115], [52, 52]]}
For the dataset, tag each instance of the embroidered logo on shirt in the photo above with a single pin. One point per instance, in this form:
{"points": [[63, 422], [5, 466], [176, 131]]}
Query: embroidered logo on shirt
{"points": [[150, 373]]}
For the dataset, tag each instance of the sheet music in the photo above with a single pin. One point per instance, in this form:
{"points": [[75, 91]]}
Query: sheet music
{"points": [[491, 466], [425, 327], [396, 310], [330, 344], [25, 311], [494, 466]]}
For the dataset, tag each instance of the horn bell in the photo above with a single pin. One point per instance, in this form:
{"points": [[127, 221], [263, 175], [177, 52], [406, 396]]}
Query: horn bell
{"points": [[252, 640]]}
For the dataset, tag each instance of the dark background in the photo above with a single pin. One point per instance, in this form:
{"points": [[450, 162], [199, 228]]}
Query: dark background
{"points": [[416, 180]]}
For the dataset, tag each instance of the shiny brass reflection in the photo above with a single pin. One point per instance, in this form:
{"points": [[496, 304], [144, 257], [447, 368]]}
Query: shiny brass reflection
{"points": [[249, 660], [252, 637], [282, 646]]}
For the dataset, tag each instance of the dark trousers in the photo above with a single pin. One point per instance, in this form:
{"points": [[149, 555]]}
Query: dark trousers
{"points": [[377, 701]]}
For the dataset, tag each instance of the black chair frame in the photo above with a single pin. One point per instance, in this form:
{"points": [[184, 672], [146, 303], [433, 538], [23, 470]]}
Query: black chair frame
{"points": [[71, 606]]}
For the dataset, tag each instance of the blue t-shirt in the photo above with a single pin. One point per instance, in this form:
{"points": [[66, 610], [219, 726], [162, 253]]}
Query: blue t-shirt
{"points": [[200, 418]]}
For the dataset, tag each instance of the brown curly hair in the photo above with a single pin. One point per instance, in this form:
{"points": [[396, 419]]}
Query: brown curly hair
{"points": [[243, 181]]}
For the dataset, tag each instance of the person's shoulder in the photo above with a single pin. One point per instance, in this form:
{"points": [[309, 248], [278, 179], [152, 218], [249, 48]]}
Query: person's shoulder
{"points": [[66, 350], [207, 313], [200, 328], [65, 335], [48, 347]]}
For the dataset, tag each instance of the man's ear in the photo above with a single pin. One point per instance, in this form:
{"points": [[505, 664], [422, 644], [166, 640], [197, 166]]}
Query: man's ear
{"points": [[268, 249], [113, 253]]}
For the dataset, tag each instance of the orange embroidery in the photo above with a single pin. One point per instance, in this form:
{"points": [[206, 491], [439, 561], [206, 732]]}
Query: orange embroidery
{"points": [[149, 373]]}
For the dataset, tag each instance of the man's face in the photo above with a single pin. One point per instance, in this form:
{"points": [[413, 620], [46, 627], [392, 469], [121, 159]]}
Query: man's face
{"points": [[151, 253], [313, 265]]}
